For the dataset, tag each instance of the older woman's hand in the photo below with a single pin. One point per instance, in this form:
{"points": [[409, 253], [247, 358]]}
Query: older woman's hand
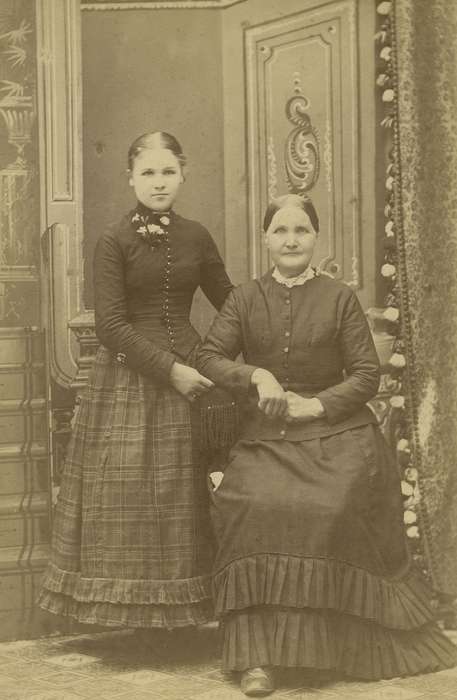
{"points": [[302, 410], [272, 397]]}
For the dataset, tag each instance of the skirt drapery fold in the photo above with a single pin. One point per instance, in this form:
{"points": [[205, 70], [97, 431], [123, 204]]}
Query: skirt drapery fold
{"points": [[313, 568]]}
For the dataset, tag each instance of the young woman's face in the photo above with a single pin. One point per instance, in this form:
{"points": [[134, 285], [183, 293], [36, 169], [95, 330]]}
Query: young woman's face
{"points": [[156, 177], [291, 240]]}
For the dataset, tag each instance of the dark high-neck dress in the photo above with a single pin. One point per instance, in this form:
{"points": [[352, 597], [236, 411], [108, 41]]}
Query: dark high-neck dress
{"points": [[313, 568], [132, 540]]}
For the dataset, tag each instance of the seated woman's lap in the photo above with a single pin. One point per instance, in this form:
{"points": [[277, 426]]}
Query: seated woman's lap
{"points": [[321, 497]]}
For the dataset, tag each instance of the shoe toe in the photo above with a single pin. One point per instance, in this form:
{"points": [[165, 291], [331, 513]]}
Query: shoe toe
{"points": [[256, 683]]}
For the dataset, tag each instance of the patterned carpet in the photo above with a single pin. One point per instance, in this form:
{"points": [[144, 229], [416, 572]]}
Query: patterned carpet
{"points": [[170, 666]]}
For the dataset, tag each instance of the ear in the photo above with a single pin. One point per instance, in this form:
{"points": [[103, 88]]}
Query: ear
{"points": [[265, 238], [129, 175]]}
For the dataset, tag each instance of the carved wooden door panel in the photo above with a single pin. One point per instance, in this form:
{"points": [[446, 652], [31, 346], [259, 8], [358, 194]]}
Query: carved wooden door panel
{"points": [[307, 70]]}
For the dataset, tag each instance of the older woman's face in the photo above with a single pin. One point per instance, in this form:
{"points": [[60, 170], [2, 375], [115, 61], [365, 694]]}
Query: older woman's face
{"points": [[291, 240]]}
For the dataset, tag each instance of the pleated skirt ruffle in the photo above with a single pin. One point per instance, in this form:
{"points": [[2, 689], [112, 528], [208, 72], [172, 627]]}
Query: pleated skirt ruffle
{"points": [[329, 616], [329, 641], [313, 569], [133, 615]]}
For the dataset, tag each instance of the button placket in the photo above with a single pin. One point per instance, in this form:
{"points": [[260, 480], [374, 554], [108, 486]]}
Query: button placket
{"points": [[166, 294]]}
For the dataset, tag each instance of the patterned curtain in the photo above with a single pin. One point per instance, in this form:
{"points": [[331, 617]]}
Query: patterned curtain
{"points": [[425, 49]]}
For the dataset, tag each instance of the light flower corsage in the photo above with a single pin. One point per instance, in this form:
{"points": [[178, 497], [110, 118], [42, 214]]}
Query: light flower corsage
{"points": [[153, 234]]}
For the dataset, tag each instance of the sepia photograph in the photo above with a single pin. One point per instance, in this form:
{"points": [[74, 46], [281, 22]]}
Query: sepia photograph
{"points": [[228, 349]]}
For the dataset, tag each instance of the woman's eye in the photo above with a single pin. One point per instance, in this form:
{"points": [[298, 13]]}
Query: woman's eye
{"points": [[169, 172]]}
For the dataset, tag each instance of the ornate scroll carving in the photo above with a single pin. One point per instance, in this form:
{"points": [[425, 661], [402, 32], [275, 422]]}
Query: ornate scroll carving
{"points": [[301, 151]]}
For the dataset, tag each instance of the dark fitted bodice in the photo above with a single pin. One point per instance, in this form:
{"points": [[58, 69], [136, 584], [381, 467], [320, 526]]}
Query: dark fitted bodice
{"points": [[143, 294], [313, 338]]}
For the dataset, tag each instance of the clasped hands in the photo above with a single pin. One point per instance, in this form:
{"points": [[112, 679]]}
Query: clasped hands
{"points": [[273, 400], [276, 403]]}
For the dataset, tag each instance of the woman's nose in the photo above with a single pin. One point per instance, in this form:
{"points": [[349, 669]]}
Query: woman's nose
{"points": [[291, 241]]}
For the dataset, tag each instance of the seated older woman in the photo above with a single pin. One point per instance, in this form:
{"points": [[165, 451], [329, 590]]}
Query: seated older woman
{"points": [[313, 569]]}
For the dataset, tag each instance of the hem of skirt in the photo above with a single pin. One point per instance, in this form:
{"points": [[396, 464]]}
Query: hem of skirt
{"points": [[319, 583], [127, 615], [126, 591], [332, 642]]}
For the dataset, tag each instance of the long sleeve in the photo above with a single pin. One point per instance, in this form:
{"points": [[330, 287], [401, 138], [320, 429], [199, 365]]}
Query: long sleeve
{"points": [[215, 282], [222, 345], [111, 323], [361, 366]]}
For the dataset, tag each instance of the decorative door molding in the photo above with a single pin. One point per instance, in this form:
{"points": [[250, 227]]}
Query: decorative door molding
{"points": [[60, 120], [302, 127]]}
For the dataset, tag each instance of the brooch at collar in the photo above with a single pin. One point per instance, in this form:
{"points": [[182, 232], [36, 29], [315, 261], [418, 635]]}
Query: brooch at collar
{"points": [[153, 234]]}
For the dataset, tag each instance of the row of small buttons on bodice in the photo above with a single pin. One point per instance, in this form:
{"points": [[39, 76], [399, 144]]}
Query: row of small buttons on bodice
{"points": [[166, 296], [286, 324]]}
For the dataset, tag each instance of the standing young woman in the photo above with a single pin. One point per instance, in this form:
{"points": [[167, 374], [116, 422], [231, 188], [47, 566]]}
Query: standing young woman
{"points": [[131, 541]]}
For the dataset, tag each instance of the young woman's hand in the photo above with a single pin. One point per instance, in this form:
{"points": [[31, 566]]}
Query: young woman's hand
{"points": [[188, 381], [272, 397], [302, 410]]}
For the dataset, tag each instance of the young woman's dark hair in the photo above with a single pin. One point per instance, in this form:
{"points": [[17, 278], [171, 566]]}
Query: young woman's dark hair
{"points": [[155, 139]]}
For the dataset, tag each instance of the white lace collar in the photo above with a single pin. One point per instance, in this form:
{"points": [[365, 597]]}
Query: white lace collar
{"points": [[300, 279]]}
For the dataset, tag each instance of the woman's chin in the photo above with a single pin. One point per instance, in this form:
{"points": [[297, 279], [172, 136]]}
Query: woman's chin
{"points": [[159, 206], [292, 270]]}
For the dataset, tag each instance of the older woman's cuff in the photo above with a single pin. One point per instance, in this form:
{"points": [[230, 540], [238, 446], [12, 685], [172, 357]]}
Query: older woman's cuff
{"points": [[331, 407]]}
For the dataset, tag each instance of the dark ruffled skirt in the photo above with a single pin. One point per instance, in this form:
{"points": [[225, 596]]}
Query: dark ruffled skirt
{"points": [[313, 569], [132, 543]]}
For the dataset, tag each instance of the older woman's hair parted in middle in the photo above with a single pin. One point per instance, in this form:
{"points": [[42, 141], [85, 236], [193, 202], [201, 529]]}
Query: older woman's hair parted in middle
{"points": [[291, 200]]}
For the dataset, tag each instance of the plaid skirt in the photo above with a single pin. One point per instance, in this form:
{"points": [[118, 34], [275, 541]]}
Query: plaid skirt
{"points": [[132, 542]]}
